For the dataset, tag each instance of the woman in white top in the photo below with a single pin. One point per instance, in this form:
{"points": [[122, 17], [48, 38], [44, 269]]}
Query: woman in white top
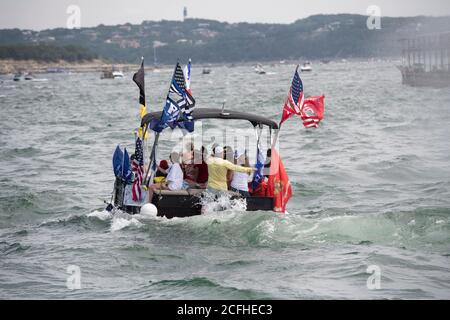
{"points": [[239, 180], [174, 179]]}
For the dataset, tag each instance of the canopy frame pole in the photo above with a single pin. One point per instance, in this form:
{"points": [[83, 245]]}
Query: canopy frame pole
{"points": [[275, 139], [259, 128], [270, 136]]}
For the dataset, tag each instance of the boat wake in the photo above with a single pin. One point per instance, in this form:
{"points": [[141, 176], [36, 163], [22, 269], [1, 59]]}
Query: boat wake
{"points": [[225, 221], [119, 220], [212, 203]]}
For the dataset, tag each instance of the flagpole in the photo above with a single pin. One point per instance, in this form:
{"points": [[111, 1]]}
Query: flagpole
{"points": [[155, 146], [152, 159]]}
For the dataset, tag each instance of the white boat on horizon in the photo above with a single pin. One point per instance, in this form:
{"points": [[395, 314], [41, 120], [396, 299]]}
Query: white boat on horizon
{"points": [[29, 76], [18, 76], [117, 74], [259, 69], [112, 74], [306, 67]]}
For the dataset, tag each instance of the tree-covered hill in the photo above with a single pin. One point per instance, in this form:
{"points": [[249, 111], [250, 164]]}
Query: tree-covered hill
{"points": [[46, 53], [316, 37]]}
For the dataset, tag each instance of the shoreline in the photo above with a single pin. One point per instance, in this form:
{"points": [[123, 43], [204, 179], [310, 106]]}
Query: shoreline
{"points": [[10, 66]]}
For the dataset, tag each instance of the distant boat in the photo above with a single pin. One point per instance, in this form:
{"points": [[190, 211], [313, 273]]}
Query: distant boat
{"points": [[18, 76], [306, 67], [206, 71], [259, 69], [117, 74], [29, 76], [112, 74]]}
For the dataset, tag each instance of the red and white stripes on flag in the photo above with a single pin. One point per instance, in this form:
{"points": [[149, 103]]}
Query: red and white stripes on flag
{"points": [[294, 100], [312, 111], [137, 165]]}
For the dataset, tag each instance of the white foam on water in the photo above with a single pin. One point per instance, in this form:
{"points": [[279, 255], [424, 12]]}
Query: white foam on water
{"points": [[223, 202], [146, 217], [118, 223], [102, 215], [119, 219]]}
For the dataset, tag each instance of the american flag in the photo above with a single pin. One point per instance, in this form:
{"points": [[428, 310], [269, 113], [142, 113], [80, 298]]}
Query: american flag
{"points": [[296, 94], [138, 169], [295, 98], [178, 86]]}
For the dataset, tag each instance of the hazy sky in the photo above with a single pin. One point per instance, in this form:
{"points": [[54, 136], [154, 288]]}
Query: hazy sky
{"points": [[43, 14]]}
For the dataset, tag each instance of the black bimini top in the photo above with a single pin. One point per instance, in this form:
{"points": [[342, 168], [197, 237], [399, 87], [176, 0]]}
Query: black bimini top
{"points": [[208, 113]]}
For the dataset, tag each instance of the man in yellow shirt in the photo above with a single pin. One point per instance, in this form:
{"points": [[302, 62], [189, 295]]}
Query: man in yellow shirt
{"points": [[217, 170]]}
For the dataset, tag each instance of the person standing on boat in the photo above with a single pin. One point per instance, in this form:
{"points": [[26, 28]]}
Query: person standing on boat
{"points": [[228, 154], [217, 171], [239, 180], [174, 179]]}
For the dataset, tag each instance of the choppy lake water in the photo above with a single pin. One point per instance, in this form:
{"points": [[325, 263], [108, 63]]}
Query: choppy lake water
{"points": [[371, 187]]}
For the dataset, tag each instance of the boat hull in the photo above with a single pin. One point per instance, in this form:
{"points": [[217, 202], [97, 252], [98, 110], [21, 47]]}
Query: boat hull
{"points": [[182, 204]]}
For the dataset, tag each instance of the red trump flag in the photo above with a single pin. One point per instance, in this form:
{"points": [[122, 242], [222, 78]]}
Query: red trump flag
{"points": [[279, 186], [312, 111]]}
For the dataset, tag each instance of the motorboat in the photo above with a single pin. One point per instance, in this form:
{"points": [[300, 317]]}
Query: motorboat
{"points": [[112, 74], [306, 67], [117, 74], [18, 76], [259, 69], [186, 203]]}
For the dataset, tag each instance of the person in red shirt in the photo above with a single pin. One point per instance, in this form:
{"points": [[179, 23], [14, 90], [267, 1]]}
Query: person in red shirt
{"points": [[202, 170]]}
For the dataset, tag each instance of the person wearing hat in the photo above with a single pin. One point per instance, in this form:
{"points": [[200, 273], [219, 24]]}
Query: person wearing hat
{"points": [[217, 170], [174, 179], [239, 180], [161, 173]]}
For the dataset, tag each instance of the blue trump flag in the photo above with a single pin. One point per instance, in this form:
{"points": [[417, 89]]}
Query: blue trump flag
{"points": [[121, 164], [126, 167], [168, 118], [117, 161], [186, 124], [258, 176]]}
